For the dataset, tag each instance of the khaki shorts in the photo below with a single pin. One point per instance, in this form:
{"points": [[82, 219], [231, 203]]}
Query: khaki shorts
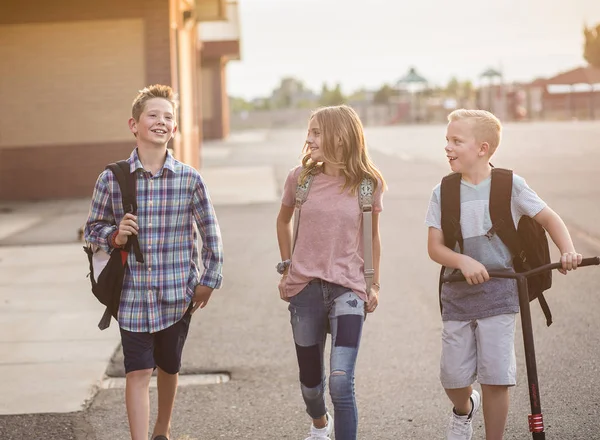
{"points": [[481, 350]]}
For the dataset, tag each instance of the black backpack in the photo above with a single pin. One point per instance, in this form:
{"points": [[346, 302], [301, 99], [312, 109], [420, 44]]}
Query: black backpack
{"points": [[527, 243], [107, 271]]}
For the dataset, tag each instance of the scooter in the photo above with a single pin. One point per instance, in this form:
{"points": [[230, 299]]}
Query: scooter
{"points": [[536, 421]]}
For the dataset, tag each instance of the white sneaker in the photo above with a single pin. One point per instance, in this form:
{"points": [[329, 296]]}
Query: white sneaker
{"points": [[461, 427], [323, 433]]}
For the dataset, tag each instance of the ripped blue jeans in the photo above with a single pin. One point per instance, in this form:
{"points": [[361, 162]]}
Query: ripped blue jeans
{"points": [[318, 307]]}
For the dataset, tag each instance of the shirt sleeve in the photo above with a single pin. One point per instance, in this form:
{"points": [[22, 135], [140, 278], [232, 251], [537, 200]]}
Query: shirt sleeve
{"points": [[101, 221], [433, 219], [212, 245], [288, 198], [525, 201]]}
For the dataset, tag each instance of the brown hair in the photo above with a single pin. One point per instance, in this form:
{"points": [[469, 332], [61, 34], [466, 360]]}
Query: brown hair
{"points": [[342, 123], [150, 92]]}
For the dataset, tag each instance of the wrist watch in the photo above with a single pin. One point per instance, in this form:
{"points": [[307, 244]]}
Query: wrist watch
{"points": [[281, 267]]}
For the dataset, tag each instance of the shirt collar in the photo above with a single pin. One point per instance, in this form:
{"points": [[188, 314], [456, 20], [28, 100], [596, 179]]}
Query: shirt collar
{"points": [[136, 163]]}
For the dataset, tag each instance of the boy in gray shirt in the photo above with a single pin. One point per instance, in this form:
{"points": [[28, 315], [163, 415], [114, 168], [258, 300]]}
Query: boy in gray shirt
{"points": [[479, 315]]}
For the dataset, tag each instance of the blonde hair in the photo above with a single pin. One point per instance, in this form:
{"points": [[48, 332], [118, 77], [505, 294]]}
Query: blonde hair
{"points": [[341, 123], [150, 92], [486, 126]]}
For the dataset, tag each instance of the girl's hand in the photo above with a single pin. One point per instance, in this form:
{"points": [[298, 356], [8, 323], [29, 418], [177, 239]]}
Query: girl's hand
{"points": [[372, 299], [281, 287]]}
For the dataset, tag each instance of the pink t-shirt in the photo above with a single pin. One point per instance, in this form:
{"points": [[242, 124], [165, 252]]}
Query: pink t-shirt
{"points": [[329, 244]]}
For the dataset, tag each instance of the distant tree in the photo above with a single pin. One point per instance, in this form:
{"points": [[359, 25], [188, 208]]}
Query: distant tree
{"points": [[331, 97], [591, 49], [238, 105], [359, 95], [453, 88], [382, 96]]}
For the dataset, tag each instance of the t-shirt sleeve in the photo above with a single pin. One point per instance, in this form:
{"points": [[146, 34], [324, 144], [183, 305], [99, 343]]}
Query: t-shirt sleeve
{"points": [[433, 219], [525, 201], [288, 198]]}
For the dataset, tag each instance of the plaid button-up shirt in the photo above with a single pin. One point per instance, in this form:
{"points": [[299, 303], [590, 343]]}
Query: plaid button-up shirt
{"points": [[172, 205]]}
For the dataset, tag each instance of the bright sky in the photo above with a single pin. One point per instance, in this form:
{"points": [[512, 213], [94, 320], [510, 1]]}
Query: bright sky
{"points": [[365, 43]]}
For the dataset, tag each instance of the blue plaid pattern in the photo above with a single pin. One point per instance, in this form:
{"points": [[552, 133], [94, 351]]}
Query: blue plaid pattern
{"points": [[171, 204]]}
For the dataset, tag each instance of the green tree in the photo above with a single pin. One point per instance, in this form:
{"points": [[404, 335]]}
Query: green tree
{"points": [[382, 96], [591, 49], [331, 97], [453, 88], [238, 105]]}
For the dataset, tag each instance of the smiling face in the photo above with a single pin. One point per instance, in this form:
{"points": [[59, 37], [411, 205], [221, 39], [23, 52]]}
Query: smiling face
{"points": [[465, 154], [156, 124], [313, 141]]}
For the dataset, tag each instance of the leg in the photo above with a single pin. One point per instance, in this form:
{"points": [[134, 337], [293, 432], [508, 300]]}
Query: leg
{"points": [[461, 399], [497, 367], [168, 349], [458, 370], [347, 317], [308, 319], [495, 410], [139, 364], [167, 389], [137, 402], [458, 364]]}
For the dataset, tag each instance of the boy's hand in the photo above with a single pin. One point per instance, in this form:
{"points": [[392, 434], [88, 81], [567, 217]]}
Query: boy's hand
{"points": [[127, 227], [569, 261], [201, 296], [372, 299], [473, 271]]}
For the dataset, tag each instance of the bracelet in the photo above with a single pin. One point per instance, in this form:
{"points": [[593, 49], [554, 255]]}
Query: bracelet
{"points": [[281, 267], [376, 284]]}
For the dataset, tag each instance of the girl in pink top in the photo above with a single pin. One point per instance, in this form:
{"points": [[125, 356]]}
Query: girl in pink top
{"points": [[324, 278]]}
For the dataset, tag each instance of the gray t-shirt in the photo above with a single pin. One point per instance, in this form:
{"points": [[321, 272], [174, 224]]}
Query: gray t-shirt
{"points": [[460, 301]]}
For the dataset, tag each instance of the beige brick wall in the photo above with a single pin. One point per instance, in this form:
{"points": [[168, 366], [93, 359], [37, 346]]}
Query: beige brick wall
{"points": [[69, 82]]}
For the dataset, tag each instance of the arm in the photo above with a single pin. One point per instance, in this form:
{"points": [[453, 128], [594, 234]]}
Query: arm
{"points": [[373, 294], [212, 245], [284, 231], [284, 238], [559, 234], [101, 223], [473, 271]]}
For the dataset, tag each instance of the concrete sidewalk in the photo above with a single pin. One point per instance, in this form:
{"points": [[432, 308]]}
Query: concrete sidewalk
{"points": [[53, 357]]}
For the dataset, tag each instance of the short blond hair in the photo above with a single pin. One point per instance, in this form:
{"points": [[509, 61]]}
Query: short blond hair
{"points": [[486, 126], [150, 92]]}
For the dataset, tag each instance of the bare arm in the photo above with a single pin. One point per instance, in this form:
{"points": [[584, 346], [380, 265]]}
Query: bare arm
{"points": [[559, 234], [373, 294], [473, 271], [284, 231]]}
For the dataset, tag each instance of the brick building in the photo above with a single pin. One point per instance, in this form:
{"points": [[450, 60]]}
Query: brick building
{"points": [[70, 70]]}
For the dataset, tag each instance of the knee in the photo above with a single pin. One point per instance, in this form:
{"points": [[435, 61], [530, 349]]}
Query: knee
{"points": [[340, 384], [315, 393], [139, 377]]}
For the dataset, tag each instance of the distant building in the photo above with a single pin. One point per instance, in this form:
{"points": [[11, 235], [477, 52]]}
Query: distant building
{"points": [[70, 70], [571, 94]]}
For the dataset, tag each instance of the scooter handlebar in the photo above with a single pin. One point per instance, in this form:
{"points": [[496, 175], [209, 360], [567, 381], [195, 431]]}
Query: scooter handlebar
{"points": [[590, 261]]}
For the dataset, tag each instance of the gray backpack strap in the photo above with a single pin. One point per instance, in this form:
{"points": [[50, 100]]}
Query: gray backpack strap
{"points": [[365, 200], [301, 196]]}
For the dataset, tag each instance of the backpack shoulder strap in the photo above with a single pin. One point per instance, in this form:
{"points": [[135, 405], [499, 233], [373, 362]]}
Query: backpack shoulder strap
{"points": [[127, 184], [365, 201], [501, 213], [450, 208], [301, 196]]}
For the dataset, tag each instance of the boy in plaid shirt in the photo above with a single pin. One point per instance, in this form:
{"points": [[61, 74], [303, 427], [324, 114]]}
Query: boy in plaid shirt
{"points": [[160, 295]]}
